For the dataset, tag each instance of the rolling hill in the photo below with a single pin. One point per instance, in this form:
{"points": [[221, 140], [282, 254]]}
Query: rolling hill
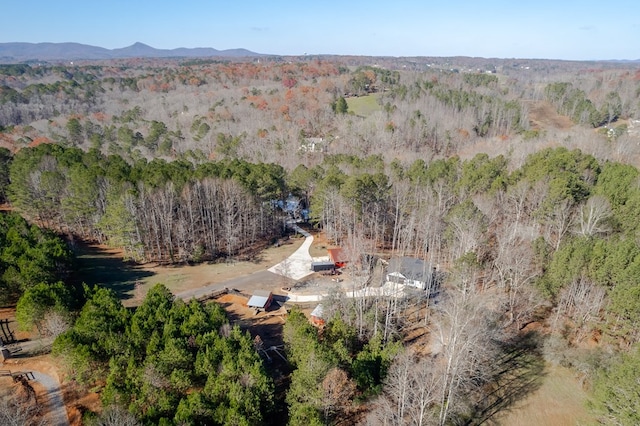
{"points": [[21, 52]]}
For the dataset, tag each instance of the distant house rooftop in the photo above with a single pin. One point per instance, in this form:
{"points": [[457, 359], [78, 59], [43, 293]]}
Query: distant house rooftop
{"points": [[313, 145], [260, 299]]}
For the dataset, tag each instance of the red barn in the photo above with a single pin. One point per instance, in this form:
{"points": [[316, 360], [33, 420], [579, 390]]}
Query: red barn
{"points": [[337, 256]]}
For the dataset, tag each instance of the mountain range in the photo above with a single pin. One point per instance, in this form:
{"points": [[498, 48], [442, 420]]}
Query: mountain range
{"points": [[21, 52]]}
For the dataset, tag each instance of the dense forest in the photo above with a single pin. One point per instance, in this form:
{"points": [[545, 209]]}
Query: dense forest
{"points": [[517, 180]]}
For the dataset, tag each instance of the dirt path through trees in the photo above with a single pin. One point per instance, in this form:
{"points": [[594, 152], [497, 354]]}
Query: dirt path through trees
{"points": [[55, 404]]}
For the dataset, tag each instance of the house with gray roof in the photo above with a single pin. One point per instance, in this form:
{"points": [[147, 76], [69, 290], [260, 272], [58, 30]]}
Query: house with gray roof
{"points": [[411, 272]]}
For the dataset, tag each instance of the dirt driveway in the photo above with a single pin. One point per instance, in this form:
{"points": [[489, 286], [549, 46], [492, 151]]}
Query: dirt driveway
{"points": [[103, 266]]}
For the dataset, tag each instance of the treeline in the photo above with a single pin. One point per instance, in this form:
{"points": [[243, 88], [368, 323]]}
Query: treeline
{"points": [[266, 112], [574, 102], [156, 211], [554, 241], [168, 362], [333, 369], [476, 101], [30, 93], [448, 208], [29, 256]]}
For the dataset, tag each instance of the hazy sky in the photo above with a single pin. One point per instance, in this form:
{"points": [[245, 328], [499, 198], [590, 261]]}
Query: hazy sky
{"points": [[553, 29]]}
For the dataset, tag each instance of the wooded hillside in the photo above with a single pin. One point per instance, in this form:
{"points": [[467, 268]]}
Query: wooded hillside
{"points": [[516, 180]]}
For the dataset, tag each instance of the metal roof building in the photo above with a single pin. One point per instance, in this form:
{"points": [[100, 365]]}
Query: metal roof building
{"points": [[260, 299]]}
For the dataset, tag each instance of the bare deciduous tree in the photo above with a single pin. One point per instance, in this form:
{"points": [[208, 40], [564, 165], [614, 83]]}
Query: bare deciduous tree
{"points": [[337, 390], [115, 415], [515, 270], [581, 302], [411, 391], [464, 339], [54, 323], [20, 409], [592, 217], [558, 222]]}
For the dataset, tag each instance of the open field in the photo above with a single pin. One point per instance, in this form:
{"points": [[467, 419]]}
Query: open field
{"points": [[560, 400], [101, 265], [364, 106]]}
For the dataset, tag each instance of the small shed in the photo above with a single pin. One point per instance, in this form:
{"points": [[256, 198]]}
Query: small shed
{"points": [[261, 299], [337, 256], [317, 316]]}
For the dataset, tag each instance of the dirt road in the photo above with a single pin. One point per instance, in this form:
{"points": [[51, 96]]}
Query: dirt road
{"points": [[55, 403], [264, 280]]}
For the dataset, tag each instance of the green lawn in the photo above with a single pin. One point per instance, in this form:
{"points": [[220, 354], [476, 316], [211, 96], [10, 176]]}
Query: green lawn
{"points": [[560, 400], [99, 266], [364, 105]]}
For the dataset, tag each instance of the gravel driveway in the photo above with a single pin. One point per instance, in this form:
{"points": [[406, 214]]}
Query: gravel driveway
{"points": [[55, 404]]}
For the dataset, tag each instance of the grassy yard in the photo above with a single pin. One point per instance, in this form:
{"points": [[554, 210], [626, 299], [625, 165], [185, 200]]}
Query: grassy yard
{"points": [[102, 266], [560, 400], [99, 265], [364, 105]]}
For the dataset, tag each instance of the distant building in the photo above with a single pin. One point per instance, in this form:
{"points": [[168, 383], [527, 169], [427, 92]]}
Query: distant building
{"points": [[411, 272], [313, 145], [294, 206], [261, 299]]}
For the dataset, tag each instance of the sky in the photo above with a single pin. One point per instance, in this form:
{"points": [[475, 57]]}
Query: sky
{"points": [[545, 29]]}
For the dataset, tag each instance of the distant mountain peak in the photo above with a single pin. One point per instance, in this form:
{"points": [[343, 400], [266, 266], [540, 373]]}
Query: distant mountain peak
{"points": [[20, 52]]}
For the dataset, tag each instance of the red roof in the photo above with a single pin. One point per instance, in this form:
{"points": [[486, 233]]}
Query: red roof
{"points": [[337, 255]]}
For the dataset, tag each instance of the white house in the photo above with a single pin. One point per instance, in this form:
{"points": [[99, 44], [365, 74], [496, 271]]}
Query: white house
{"points": [[411, 272], [313, 145]]}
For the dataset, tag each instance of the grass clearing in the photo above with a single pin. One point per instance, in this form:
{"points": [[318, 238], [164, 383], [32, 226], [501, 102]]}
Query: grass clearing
{"points": [[560, 400], [99, 265], [364, 106], [103, 266]]}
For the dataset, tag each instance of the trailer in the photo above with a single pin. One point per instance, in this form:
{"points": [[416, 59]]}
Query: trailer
{"points": [[322, 266]]}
